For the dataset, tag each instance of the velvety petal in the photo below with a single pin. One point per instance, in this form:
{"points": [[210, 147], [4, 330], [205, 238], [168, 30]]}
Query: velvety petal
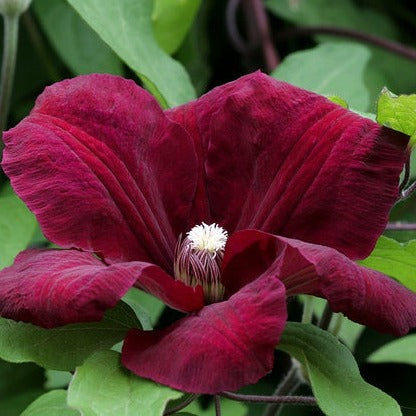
{"points": [[225, 346], [56, 287], [365, 296], [280, 159], [104, 169]]}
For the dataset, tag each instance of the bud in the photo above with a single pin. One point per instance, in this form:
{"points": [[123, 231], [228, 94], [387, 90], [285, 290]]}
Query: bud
{"points": [[198, 259], [13, 8]]}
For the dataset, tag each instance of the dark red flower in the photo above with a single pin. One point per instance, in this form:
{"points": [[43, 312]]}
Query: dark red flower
{"points": [[302, 187]]}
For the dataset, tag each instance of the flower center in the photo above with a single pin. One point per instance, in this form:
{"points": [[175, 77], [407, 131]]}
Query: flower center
{"points": [[198, 259]]}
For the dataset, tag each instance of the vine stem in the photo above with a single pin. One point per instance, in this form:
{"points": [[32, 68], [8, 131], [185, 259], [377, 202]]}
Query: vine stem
{"points": [[217, 401], [326, 317], [386, 44], [406, 175], [401, 226], [11, 32], [300, 400], [180, 406], [256, 11], [307, 313], [257, 28], [288, 385]]}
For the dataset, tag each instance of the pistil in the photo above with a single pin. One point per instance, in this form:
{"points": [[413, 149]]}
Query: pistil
{"points": [[198, 258]]}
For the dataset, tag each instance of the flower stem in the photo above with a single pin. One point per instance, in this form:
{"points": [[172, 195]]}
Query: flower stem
{"points": [[11, 32], [257, 31], [406, 175], [38, 44], [301, 400], [386, 44], [401, 226], [180, 406], [408, 191], [326, 317], [336, 327], [262, 37], [217, 400], [288, 385], [307, 310]]}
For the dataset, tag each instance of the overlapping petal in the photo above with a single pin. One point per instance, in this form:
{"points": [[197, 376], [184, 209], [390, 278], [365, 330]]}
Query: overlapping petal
{"points": [[284, 160], [225, 346], [104, 169], [365, 296], [57, 287]]}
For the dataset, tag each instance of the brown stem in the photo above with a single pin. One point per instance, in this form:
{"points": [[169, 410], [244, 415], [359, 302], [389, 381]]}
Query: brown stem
{"points": [[386, 44], [406, 175], [301, 400], [325, 317], [288, 385], [408, 191], [257, 29], [231, 21], [256, 10], [180, 406], [401, 226], [217, 401]]}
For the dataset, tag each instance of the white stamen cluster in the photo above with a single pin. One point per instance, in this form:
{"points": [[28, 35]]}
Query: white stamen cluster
{"points": [[198, 259], [210, 237]]}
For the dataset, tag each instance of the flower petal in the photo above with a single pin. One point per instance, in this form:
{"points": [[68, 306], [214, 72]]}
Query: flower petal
{"points": [[284, 160], [104, 169], [225, 346], [50, 288], [365, 296]]}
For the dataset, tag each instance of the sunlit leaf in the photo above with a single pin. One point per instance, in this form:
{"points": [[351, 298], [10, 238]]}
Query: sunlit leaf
{"points": [[334, 375], [147, 307], [397, 112], [395, 259], [402, 350], [332, 68], [65, 347], [127, 28], [17, 228], [75, 42], [349, 332], [172, 20], [52, 403], [102, 387], [57, 379]]}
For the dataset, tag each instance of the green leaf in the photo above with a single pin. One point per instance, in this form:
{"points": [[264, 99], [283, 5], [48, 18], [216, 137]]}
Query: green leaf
{"points": [[342, 13], [334, 374], [127, 28], [395, 259], [172, 20], [57, 379], [228, 407], [65, 347], [102, 387], [338, 100], [19, 386], [14, 405], [397, 112], [332, 68], [147, 307], [52, 403], [17, 228], [384, 68], [194, 51], [402, 350], [79, 47], [350, 331]]}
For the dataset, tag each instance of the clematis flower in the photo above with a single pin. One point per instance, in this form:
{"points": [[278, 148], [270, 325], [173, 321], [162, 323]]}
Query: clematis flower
{"points": [[221, 207]]}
